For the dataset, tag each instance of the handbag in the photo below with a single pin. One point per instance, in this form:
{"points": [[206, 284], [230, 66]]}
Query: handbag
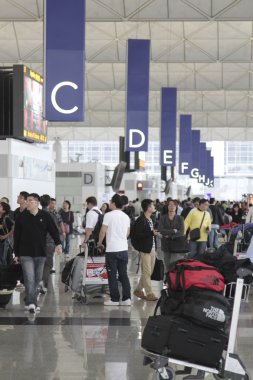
{"points": [[178, 244], [158, 272], [195, 233], [66, 226]]}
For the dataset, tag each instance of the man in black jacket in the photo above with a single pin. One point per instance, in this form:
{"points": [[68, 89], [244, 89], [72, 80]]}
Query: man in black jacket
{"points": [[144, 234], [216, 223], [30, 234]]}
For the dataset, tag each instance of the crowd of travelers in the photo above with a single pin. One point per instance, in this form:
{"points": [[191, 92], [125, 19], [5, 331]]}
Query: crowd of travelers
{"points": [[36, 230]]}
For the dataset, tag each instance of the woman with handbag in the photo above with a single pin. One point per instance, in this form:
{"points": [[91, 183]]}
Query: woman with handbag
{"points": [[171, 227], [68, 220]]}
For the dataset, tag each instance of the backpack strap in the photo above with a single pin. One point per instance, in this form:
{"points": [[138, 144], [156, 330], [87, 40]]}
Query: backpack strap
{"points": [[97, 212], [202, 220]]}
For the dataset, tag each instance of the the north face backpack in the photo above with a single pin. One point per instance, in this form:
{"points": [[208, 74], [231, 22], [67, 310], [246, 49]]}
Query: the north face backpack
{"points": [[193, 273]]}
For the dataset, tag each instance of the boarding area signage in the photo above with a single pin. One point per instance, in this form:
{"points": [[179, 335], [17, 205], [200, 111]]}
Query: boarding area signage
{"points": [[64, 60], [185, 144], [168, 126], [137, 105]]}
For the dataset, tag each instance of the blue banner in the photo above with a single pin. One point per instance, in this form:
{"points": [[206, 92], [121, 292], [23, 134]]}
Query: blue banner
{"points": [[202, 163], [209, 165], [137, 105], [168, 131], [64, 60], [185, 144], [194, 172]]}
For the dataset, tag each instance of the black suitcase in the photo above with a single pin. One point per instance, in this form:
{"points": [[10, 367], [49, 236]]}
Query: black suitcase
{"points": [[179, 338], [5, 296], [9, 275], [156, 334]]}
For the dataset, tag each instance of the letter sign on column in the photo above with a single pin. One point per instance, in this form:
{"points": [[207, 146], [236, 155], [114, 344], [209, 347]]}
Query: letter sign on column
{"points": [[185, 144], [168, 126], [137, 104], [64, 25], [195, 153]]}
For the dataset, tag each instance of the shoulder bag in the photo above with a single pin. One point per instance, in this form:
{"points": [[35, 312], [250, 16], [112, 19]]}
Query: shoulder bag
{"points": [[195, 233], [66, 226], [178, 244]]}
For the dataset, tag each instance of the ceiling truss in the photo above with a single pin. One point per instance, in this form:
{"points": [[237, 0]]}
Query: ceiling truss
{"points": [[202, 47]]}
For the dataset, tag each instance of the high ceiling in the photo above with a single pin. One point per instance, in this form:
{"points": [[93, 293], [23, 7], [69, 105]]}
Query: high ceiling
{"points": [[202, 47]]}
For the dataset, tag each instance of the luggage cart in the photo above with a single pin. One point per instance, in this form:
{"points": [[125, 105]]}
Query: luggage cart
{"points": [[231, 366], [94, 277]]}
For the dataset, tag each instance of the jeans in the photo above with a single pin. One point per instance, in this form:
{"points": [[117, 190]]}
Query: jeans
{"points": [[32, 271], [147, 266], [213, 237], [117, 262], [66, 244], [197, 247]]}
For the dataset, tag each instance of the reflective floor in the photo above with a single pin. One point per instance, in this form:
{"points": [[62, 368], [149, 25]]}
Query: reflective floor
{"points": [[71, 341]]}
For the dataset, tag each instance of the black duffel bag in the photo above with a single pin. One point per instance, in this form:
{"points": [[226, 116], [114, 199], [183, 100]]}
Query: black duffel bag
{"points": [[204, 307], [180, 338]]}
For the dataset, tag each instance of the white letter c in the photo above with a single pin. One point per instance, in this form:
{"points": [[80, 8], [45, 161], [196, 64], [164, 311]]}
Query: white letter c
{"points": [[53, 97]]}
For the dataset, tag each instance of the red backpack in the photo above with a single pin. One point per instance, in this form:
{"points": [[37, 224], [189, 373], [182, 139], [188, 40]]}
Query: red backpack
{"points": [[194, 273]]}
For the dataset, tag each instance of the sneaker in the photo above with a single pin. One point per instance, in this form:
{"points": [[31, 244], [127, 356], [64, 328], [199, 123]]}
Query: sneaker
{"points": [[139, 294], [32, 308], [126, 302], [151, 297], [37, 309], [111, 303]]}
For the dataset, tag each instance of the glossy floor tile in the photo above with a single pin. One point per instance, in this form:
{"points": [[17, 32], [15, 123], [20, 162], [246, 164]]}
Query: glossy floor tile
{"points": [[71, 341]]}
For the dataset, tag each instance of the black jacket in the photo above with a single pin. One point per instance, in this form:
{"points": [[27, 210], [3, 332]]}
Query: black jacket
{"points": [[167, 227], [143, 235], [217, 215], [30, 233]]}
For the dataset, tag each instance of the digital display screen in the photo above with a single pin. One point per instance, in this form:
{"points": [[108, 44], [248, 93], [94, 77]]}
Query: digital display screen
{"points": [[28, 122], [35, 127]]}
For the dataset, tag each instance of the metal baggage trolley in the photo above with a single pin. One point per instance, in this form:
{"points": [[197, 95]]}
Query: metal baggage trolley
{"points": [[231, 366], [95, 279]]}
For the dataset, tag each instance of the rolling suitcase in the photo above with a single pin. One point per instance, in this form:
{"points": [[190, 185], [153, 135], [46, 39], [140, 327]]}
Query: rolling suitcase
{"points": [[76, 277], [9, 275], [179, 338], [5, 297]]}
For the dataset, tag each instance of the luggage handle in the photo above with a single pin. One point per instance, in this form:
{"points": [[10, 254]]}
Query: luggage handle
{"points": [[194, 341]]}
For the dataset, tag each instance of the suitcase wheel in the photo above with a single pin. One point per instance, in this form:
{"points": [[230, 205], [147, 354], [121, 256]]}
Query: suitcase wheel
{"points": [[164, 374], [83, 300]]}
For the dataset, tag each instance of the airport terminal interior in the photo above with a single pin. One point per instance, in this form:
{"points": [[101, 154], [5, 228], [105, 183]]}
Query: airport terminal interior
{"points": [[149, 99]]}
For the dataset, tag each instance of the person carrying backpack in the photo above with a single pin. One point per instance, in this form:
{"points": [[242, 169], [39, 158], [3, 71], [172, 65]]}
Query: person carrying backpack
{"points": [[143, 239], [94, 218]]}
